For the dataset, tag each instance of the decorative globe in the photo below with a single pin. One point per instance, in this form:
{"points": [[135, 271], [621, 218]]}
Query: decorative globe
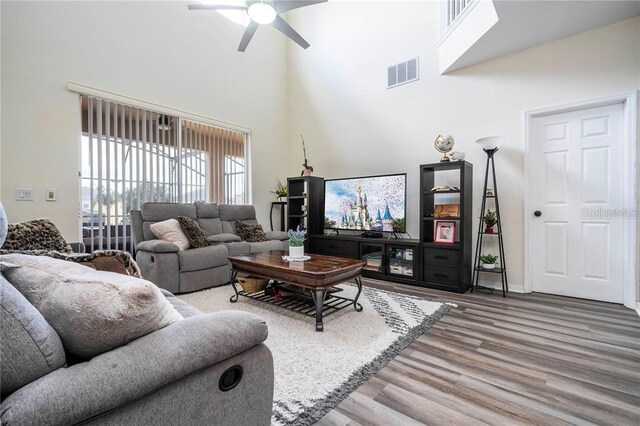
{"points": [[444, 144]]}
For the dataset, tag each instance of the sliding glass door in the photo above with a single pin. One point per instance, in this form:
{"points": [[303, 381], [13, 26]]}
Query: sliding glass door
{"points": [[131, 156]]}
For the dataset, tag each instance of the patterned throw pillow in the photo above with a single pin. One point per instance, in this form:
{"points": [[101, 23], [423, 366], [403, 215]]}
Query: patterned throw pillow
{"points": [[250, 233], [193, 232], [39, 234]]}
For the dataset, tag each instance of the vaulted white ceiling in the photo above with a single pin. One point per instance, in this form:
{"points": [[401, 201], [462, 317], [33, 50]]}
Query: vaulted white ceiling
{"points": [[524, 24]]}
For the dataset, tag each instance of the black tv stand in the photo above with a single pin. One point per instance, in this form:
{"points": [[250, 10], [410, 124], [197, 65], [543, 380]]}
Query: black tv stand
{"points": [[398, 236], [371, 234], [397, 260]]}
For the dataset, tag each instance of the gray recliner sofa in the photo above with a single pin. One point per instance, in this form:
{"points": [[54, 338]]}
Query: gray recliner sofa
{"points": [[182, 374], [182, 271]]}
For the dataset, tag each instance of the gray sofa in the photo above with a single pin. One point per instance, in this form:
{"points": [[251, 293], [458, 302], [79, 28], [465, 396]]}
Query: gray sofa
{"points": [[169, 377], [197, 268]]}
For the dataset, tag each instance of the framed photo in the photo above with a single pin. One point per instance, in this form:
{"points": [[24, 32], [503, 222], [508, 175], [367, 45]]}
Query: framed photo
{"points": [[50, 195], [446, 210], [445, 232]]}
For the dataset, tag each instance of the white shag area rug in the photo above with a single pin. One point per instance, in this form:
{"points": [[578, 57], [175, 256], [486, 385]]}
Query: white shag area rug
{"points": [[315, 371]]}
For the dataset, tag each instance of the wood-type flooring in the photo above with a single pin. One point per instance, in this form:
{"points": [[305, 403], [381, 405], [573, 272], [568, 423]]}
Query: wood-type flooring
{"points": [[525, 359]]}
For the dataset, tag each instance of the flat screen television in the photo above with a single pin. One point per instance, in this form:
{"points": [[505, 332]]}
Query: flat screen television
{"points": [[372, 203]]}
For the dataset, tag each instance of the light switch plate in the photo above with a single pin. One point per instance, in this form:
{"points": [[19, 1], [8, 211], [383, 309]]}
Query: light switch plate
{"points": [[50, 194], [24, 194]]}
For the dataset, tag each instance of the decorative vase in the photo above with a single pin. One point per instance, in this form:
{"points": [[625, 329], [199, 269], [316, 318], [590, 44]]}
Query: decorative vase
{"points": [[284, 199], [296, 252], [488, 266], [488, 230], [307, 172]]}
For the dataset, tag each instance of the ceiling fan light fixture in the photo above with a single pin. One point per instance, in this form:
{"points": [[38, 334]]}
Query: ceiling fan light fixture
{"points": [[261, 13]]}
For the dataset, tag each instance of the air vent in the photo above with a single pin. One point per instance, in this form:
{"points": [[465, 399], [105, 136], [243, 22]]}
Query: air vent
{"points": [[402, 73]]}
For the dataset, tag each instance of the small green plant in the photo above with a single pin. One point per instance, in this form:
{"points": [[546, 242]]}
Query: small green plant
{"points": [[281, 189], [297, 237], [488, 259], [490, 219], [304, 152]]}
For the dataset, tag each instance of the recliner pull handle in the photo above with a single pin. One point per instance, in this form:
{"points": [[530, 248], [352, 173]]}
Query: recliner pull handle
{"points": [[230, 378]]}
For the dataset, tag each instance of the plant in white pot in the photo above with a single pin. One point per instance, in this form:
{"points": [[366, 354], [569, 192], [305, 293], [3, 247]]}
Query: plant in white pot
{"points": [[281, 190], [488, 261], [296, 243]]}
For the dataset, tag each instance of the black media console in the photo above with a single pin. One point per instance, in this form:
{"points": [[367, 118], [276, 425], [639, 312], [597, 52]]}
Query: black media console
{"points": [[385, 259]]}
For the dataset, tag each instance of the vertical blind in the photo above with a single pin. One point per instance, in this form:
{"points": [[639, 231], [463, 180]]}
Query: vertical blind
{"points": [[220, 155], [131, 156]]}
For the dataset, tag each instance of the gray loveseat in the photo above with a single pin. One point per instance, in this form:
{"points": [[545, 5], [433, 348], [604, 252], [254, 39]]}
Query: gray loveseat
{"points": [[197, 268], [169, 377]]}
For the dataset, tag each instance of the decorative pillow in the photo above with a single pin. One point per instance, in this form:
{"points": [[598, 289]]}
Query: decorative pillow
{"points": [[30, 347], [39, 234], [170, 230], [92, 311], [223, 238], [192, 231], [103, 260], [250, 233]]}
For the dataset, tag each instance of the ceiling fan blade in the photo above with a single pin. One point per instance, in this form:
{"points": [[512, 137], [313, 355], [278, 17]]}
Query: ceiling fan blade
{"points": [[287, 5], [214, 7], [246, 37], [282, 26]]}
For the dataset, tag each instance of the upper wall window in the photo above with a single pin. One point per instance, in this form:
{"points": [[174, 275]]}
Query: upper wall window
{"points": [[131, 156]]}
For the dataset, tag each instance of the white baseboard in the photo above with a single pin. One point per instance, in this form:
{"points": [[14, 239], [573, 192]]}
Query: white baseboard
{"points": [[513, 288]]}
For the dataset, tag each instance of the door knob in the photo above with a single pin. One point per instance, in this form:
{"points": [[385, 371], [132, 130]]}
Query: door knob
{"points": [[537, 213]]}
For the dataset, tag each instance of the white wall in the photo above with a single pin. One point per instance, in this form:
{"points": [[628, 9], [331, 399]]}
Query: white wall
{"points": [[159, 52], [355, 126]]}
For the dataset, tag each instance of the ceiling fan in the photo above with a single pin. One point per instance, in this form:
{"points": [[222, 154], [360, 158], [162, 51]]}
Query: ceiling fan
{"points": [[264, 12]]}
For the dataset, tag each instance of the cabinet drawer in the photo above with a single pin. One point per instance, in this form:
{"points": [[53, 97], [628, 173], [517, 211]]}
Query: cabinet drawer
{"points": [[441, 274], [441, 257], [335, 247]]}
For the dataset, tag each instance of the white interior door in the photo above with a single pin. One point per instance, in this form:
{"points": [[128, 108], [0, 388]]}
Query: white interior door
{"points": [[576, 199]]}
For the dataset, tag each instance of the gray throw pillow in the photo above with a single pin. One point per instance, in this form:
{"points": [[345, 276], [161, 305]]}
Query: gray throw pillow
{"points": [[30, 347], [92, 311]]}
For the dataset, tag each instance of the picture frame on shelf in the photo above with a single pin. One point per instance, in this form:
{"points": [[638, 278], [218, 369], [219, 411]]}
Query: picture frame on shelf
{"points": [[445, 232], [446, 210]]}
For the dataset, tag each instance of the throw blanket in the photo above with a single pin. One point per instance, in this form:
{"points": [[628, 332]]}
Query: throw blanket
{"points": [[101, 260]]}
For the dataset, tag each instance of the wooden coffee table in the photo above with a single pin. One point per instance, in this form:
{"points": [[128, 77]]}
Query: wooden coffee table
{"points": [[317, 276]]}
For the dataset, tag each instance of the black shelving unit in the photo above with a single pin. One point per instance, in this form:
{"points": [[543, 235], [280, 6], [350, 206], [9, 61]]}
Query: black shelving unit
{"points": [[305, 204], [477, 267], [446, 266]]}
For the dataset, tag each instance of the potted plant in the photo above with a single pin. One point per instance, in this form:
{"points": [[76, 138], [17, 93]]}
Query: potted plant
{"points": [[490, 220], [488, 261], [296, 243], [281, 190], [308, 170]]}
